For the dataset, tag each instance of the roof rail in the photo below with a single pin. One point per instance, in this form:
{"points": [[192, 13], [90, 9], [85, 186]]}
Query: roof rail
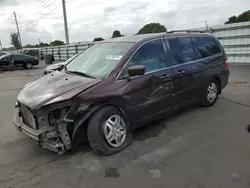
{"points": [[185, 31]]}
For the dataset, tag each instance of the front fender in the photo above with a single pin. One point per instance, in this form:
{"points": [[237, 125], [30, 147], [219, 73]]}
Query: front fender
{"points": [[85, 116], [82, 121]]}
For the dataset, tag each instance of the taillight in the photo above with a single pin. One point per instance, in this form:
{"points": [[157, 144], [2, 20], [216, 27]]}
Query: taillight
{"points": [[226, 63]]}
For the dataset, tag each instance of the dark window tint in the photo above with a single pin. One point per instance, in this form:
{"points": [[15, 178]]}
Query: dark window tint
{"points": [[20, 56], [151, 55], [205, 46], [5, 57], [180, 50]]}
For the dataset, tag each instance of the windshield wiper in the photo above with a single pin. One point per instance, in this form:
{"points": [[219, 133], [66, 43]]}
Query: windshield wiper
{"points": [[81, 74]]}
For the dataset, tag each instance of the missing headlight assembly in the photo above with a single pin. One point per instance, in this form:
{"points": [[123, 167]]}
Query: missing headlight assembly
{"points": [[47, 125]]}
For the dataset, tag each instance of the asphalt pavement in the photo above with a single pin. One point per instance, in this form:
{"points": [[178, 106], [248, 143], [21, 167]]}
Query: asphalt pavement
{"points": [[195, 148]]}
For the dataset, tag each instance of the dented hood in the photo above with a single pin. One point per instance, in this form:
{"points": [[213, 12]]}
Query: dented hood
{"points": [[52, 88]]}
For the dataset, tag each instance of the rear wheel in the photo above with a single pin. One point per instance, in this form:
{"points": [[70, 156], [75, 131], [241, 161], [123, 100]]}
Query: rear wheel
{"points": [[28, 65], [211, 93], [108, 131]]}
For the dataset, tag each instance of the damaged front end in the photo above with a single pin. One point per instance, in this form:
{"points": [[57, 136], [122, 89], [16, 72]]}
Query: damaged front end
{"points": [[51, 126]]}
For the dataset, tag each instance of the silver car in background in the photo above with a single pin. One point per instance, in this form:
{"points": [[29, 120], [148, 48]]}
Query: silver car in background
{"points": [[58, 66]]}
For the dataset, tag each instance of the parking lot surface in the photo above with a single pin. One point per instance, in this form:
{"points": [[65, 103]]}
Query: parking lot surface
{"points": [[195, 148]]}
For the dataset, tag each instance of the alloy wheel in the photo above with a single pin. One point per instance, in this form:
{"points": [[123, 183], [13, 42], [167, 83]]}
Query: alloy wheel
{"points": [[212, 92], [28, 65], [115, 131]]}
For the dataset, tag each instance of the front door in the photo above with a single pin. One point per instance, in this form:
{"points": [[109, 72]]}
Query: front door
{"points": [[150, 94], [19, 59], [185, 68]]}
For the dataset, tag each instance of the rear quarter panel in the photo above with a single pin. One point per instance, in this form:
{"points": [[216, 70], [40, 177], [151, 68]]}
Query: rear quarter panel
{"points": [[35, 62], [215, 67]]}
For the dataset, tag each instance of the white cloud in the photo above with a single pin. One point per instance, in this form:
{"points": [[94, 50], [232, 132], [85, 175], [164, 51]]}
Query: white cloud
{"points": [[98, 18]]}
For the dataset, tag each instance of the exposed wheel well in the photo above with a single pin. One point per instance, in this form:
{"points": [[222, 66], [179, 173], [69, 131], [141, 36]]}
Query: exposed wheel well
{"points": [[219, 82], [81, 133]]}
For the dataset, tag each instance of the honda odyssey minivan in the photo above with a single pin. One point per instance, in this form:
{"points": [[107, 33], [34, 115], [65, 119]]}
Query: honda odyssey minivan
{"points": [[120, 84]]}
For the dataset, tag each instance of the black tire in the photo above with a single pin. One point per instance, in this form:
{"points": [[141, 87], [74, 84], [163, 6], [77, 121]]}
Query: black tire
{"points": [[248, 128], [28, 65], [205, 101], [96, 135]]}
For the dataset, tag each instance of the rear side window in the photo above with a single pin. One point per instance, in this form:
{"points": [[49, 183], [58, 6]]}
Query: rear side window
{"points": [[180, 50], [205, 46], [17, 56]]}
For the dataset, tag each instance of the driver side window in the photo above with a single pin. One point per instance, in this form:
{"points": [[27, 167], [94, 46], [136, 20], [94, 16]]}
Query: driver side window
{"points": [[151, 55], [7, 58]]}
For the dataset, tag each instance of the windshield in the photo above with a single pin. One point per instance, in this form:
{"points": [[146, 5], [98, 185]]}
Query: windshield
{"points": [[3, 56], [99, 60]]}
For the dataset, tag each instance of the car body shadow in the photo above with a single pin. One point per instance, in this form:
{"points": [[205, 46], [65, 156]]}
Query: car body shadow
{"points": [[10, 69]]}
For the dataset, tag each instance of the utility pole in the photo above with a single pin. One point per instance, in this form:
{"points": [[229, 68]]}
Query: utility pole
{"points": [[1, 45], [18, 32], [206, 26], [65, 22]]}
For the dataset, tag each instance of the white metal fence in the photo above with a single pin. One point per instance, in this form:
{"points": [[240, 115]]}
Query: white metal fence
{"points": [[235, 39], [66, 51]]}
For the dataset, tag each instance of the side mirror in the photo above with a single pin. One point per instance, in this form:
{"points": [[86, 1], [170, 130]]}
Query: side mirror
{"points": [[136, 70]]}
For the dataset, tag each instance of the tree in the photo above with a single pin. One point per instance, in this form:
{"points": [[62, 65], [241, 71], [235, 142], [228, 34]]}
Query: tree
{"points": [[152, 28], [29, 46], [15, 40], [98, 39], [44, 44], [116, 34], [57, 43], [8, 49], [244, 17]]}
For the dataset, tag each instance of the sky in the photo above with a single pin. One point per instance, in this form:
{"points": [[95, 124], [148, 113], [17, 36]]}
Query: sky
{"points": [[43, 19]]}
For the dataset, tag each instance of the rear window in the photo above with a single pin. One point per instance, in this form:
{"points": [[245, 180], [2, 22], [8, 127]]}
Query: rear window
{"points": [[205, 46], [22, 56], [17, 56]]}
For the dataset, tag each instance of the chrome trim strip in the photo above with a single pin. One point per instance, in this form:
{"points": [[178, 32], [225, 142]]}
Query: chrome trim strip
{"points": [[191, 62]]}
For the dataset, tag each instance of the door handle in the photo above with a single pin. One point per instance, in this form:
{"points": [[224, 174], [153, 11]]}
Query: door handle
{"points": [[181, 72], [165, 76]]}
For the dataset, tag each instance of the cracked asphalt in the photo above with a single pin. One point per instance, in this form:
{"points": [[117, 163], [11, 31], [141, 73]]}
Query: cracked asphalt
{"points": [[195, 148]]}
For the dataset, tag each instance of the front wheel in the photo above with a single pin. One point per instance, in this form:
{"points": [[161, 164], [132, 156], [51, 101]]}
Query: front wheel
{"points": [[211, 93], [28, 65], [108, 131]]}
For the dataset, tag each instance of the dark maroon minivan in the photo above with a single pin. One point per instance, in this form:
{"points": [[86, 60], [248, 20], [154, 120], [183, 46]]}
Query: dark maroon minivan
{"points": [[118, 85]]}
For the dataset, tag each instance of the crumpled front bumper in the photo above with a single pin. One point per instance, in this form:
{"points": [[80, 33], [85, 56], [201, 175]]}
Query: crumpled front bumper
{"points": [[37, 135]]}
